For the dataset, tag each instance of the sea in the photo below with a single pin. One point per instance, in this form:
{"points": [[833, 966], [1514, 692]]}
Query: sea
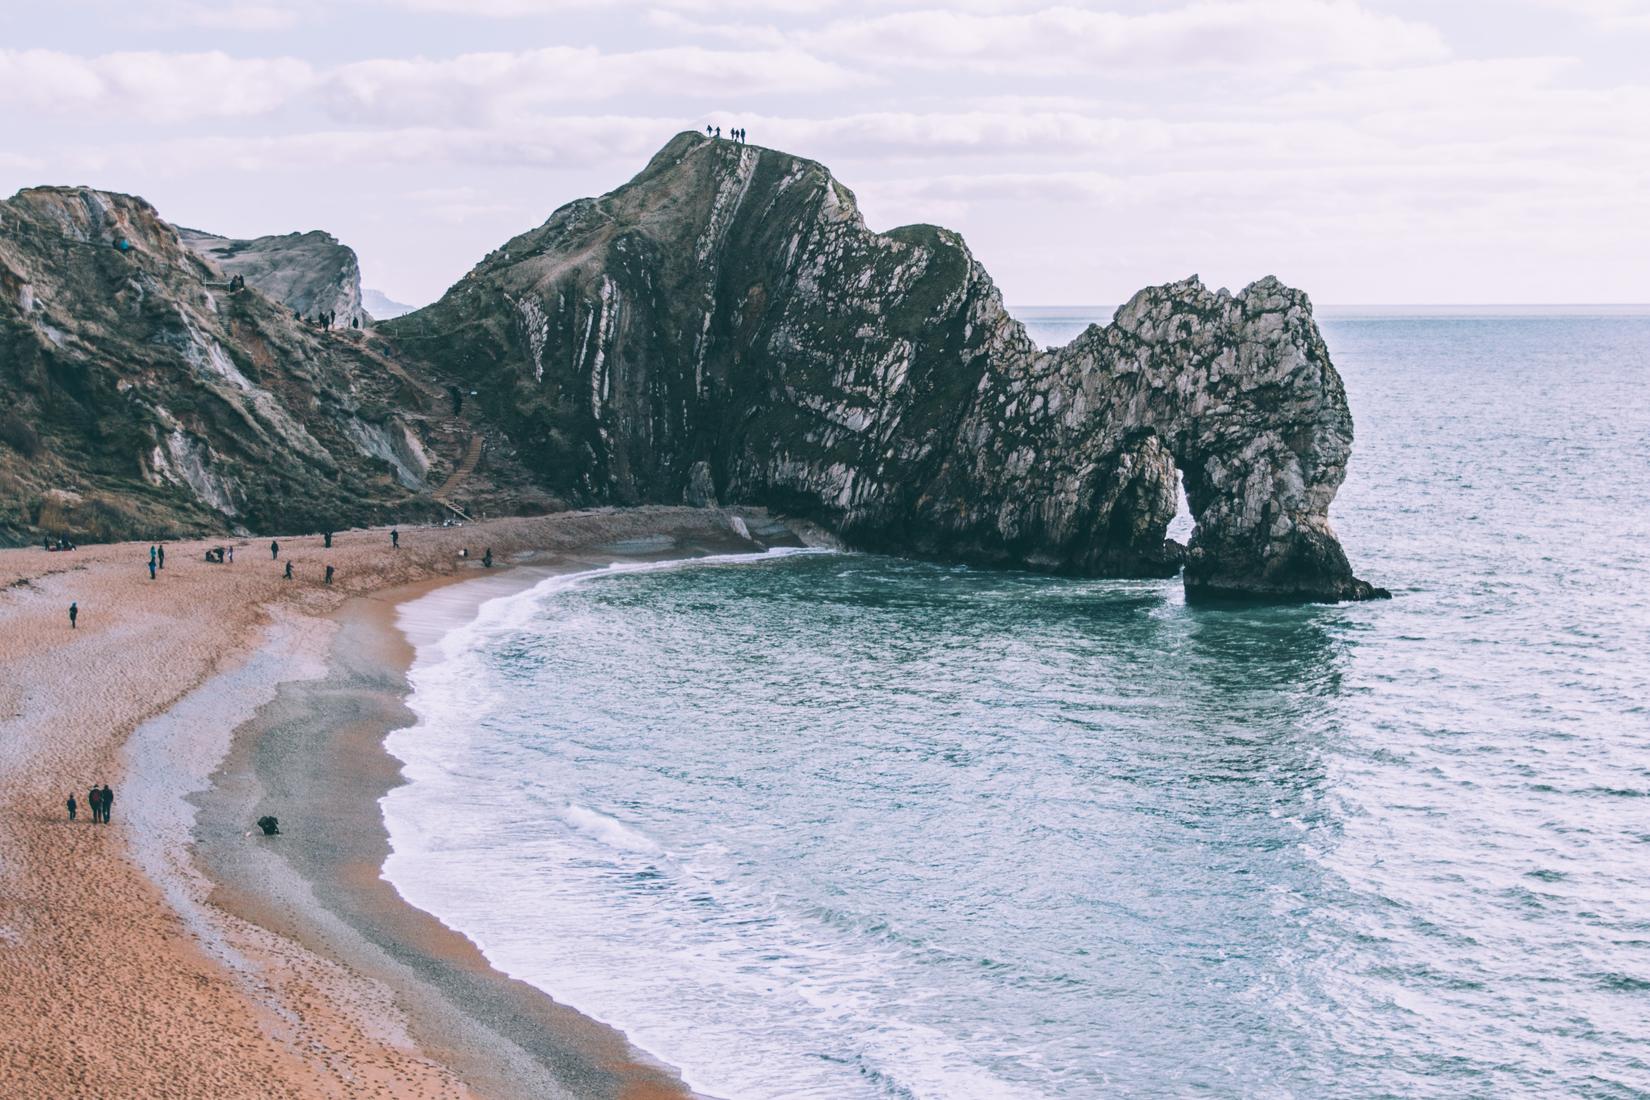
{"points": [[813, 824]]}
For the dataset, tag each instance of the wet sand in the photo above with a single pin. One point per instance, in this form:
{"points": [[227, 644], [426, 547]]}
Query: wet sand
{"points": [[174, 953]]}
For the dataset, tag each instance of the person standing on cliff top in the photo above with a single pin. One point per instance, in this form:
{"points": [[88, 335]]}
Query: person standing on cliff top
{"points": [[71, 804], [74, 613], [274, 549]]}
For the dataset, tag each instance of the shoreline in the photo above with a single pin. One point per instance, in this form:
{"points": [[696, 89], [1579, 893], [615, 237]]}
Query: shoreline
{"points": [[311, 974]]}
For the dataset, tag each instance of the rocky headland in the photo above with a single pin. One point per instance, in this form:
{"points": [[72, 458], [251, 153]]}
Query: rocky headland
{"points": [[723, 329], [309, 273]]}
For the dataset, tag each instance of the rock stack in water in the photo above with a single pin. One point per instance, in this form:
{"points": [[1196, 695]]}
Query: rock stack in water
{"points": [[725, 328]]}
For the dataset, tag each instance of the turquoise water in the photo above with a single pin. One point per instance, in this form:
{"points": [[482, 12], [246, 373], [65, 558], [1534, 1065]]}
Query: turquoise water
{"points": [[847, 826]]}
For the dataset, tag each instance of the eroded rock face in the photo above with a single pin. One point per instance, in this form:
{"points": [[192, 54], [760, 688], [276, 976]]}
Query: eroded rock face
{"points": [[725, 327], [308, 272], [168, 405]]}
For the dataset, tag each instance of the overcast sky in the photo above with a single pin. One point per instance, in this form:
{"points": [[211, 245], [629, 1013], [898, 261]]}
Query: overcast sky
{"points": [[1385, 151]]}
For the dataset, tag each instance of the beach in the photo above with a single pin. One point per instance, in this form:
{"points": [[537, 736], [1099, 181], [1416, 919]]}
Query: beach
{"points": [[177, 952]]}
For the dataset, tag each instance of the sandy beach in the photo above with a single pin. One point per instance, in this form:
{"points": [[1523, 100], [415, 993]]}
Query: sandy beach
{"points": [[173, 951]]}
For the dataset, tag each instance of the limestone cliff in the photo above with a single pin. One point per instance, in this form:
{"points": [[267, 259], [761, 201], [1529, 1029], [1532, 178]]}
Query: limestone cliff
{"points": [[308, 272], [143, 400], [725, 327]]}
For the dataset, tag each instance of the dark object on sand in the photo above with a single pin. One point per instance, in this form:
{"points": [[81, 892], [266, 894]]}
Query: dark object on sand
{"points": [[269, 825]]}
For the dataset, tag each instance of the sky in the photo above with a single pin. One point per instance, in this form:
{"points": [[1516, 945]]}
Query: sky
{"points": [[1383, 151]]}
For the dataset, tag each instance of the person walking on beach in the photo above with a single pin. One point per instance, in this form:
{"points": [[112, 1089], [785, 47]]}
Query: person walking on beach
{"points": [[153, 551], [288, 574], [160, 554], [74, 613], [395, 539], [151, 568], [94, 802], [231, 555], [274, 549], [71, 805], [329, 575], [107, 802]]}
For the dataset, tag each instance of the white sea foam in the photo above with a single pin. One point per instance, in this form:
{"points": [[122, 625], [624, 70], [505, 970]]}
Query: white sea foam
{"points": [[671, 946]]}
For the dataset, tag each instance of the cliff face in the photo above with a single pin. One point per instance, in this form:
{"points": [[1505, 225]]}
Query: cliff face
{"points": [[308, 272], [725, 327], [140, 400]]}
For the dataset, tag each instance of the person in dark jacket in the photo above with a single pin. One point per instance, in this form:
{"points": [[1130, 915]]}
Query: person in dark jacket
{"points": [[74, 613], [395, 538], [161, 555], [71, 804], [329, 575], [274, 549], [94, 802], [288, 574], [108, 802]]}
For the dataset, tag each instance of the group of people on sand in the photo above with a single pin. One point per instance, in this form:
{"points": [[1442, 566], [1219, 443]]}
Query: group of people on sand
{"points": [[737, 136], [100, 800], [222, 555]]}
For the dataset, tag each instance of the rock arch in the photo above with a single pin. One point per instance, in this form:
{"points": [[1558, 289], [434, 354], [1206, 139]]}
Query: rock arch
{"points": [[761, 345]]}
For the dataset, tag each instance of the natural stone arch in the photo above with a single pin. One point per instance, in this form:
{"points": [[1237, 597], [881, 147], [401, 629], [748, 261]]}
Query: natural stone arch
{"points": [[1249, 408], [753, 341]]}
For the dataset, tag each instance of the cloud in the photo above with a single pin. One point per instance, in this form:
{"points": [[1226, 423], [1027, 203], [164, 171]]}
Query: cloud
{"points": [[159, 87], [521, 9], [898, 134], [549, 143], [466, 90], [1287, 35], [1611, 14], [480, 86]]}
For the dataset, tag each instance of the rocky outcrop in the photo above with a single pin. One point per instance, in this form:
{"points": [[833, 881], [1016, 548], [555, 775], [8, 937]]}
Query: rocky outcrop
{"points": [[726, 328], [310, 273], [142, 399]]}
